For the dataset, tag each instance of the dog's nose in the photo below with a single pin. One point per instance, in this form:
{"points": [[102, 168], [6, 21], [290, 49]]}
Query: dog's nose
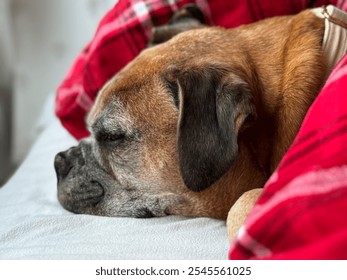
{"points": [[65, 161], [62, 165]]}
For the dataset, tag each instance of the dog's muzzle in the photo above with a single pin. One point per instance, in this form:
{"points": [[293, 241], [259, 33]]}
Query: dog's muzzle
{"points": [[78, 188]]}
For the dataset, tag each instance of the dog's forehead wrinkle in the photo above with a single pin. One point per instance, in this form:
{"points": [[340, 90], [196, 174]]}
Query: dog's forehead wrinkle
{"points": [[112, 119]]}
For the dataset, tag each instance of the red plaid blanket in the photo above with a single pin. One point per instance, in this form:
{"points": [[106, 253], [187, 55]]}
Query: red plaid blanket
{"points": [[125, 31]]}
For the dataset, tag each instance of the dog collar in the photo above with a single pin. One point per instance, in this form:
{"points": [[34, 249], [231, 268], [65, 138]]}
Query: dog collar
{"points": [[335, 34]]}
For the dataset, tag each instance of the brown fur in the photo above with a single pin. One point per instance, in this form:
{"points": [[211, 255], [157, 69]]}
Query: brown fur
{"points": [[281, 60], [196, 125]]}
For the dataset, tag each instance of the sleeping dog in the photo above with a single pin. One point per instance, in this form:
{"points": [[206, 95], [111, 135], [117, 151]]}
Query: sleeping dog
{"points": [[195, 123]]}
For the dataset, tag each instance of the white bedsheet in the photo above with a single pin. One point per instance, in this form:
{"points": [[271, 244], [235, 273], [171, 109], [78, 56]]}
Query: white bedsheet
{"points": [[33, 225]]}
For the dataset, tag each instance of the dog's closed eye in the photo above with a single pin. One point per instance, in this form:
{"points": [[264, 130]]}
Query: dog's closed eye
{"points": [[110, 139]]}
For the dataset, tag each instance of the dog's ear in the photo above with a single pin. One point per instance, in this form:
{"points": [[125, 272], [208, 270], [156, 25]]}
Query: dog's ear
{"points": [[214, 104], [186, 18]]}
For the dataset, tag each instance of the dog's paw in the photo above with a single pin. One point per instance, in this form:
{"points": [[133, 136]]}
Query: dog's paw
{"points": [[240, 210]]}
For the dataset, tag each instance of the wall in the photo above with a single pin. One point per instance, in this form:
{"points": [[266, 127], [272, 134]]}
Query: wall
{"points": [[6, 62], [48, 34]]}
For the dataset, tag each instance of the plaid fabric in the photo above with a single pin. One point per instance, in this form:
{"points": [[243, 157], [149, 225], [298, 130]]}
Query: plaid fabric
{"points": [[302, 213], [125, 31]]}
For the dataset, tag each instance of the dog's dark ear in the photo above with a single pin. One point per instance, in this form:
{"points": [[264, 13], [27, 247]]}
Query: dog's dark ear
{"points": [[213, 106], [186, 18]]}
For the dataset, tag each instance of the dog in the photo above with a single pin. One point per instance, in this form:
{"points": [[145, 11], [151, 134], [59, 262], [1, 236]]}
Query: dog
{"points": [[197, 121]]}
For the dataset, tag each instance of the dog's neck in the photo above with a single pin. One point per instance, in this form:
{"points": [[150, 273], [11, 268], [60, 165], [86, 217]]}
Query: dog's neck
{"points": [[335, 34]]}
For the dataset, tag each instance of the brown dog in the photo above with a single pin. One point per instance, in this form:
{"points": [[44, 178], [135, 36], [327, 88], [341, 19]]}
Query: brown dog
{"points": [[193, 123]]}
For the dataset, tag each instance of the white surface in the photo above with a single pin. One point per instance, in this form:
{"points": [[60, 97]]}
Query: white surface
{"points": [[33, 225]]}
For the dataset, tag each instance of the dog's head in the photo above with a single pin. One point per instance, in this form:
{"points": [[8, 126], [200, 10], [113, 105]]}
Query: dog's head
{"points": [[164, 133]]}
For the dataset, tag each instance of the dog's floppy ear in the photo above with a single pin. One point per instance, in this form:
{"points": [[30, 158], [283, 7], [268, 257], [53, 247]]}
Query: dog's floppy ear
{"points": [[213, 106], [186, 18]]}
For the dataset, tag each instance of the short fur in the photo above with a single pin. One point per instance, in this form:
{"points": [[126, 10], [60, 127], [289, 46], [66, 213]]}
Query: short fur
{"points": [[193, 123]]}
